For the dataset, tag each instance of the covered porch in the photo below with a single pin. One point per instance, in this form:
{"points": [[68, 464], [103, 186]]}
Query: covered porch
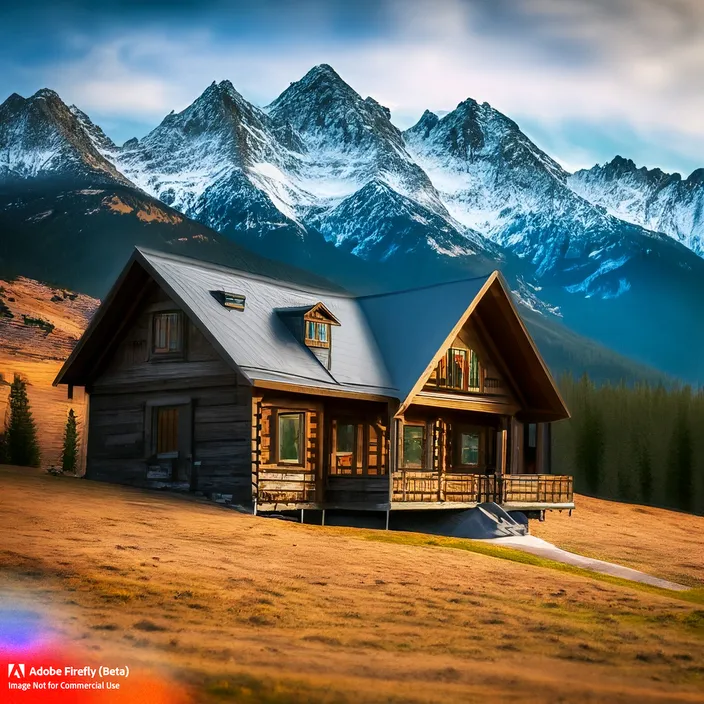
{"points": [[450, 458]]}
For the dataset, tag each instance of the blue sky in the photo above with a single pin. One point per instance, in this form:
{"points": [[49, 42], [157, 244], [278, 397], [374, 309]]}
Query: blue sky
{"points": [[586, 79]]}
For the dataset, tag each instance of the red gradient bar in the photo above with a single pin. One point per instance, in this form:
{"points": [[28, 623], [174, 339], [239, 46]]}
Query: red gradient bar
{"points": [[55, 685], [33, 668]]}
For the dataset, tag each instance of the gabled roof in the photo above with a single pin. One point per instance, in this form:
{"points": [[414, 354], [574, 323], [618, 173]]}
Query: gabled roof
{"points": [[385, 345], [310, 312], [256, 341]]}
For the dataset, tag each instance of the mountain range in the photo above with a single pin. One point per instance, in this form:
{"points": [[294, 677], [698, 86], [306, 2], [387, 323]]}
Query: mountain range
{"points": [[323, 180]]}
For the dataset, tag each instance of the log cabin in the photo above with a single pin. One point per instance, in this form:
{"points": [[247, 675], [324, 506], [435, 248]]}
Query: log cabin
{"points": [[289, 397]]}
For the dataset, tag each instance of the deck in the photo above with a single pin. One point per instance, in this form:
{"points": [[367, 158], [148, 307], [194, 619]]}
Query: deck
{"points": [[422, 489]]}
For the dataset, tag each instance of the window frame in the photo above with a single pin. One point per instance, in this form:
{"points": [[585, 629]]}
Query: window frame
{"points": [[478, 433], [423, 448], [354, 467], [440, 377], [300, 461], [317, 333], [166, 353]]}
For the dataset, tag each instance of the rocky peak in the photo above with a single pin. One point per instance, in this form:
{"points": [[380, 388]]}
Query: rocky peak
{"points": [[328, 112], [42, 136], [696, 178], [423, 127]]}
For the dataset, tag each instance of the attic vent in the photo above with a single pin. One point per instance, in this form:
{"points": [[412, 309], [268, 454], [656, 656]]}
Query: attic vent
{"points": [[233, 301]]}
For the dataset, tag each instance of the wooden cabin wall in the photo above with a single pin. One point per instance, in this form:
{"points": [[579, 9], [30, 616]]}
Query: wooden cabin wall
{"points": [[215, 410], [281, 483]]}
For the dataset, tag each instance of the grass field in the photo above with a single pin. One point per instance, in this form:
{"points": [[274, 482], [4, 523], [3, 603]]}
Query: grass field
{"points": [[238, 608]]}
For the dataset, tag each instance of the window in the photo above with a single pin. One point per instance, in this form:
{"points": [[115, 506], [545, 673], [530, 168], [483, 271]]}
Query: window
{"points": [[413, 445], [532, 435], [345, 445], [474, 377], [167, 334], [232, 301], [458, 369], [291, 438], [317, 334], [469, 449], [167, 431]]}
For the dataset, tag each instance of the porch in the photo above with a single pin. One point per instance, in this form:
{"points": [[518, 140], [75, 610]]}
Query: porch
{"points": [[414, 489], [417, 489]]}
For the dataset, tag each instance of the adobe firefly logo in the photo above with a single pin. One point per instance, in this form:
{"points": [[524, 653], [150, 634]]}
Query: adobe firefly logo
{"points": [[15, 670]]}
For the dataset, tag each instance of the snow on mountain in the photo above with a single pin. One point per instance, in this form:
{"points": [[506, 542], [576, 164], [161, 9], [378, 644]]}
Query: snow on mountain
{"points": [[377, 223], [349, 141], [41, 136], [322, 160], [648, 197], [215, 159], [496, 181]]}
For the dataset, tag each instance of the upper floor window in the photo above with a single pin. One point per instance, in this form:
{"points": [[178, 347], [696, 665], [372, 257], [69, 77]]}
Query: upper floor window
{"points": [[167, 333], [458, 369], [317, 334]]}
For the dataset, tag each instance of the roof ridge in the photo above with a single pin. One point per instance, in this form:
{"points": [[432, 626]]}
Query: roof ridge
{"points": [[467, 279], [224, 268]]}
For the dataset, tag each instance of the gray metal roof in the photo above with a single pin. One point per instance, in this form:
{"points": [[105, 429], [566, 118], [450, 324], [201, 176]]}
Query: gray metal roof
{"points": [[383, 344], [258, 341], [411, 326]]}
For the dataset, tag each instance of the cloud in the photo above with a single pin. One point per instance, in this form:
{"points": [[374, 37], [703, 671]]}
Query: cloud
{"points": [[634, 64]]}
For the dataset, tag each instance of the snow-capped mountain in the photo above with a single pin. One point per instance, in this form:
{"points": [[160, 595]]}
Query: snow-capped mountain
{"points": [[320, 159], [323, 179], [221, 161], [349, 141], [41, 136], [648, 197], [495, 180]]}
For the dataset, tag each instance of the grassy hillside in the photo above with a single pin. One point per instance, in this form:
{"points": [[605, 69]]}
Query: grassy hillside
{"points": [[39, 325], [231, 607]]}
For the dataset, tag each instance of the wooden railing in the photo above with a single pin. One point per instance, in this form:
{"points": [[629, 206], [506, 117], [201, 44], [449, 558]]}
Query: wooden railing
{"points": [[416, 485], [536, 489]]}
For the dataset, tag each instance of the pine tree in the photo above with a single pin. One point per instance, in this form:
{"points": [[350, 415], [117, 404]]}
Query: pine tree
{"points": [[681, 460], [590, 448], [21, 434], [69, 454], [645, 473]]}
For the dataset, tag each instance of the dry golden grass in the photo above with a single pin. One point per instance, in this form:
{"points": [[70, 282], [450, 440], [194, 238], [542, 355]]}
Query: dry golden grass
{"points": [[258, 610]]}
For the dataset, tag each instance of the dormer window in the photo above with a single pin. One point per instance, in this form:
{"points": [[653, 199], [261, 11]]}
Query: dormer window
{"points": [[231, 301], [317, 334], [312, 326]]}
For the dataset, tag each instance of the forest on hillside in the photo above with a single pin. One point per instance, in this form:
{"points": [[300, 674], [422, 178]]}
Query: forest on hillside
{"points": [[637, 443]]}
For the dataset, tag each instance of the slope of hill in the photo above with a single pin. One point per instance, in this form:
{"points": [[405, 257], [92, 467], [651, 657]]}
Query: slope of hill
{"points": [[233, 607], [39, 325]]}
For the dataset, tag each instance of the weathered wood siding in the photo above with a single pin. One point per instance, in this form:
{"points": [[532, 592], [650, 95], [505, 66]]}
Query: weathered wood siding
{"points": [[214, 418], [281, 483]]}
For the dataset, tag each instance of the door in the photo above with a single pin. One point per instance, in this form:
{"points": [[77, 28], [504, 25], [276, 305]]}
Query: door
{"points": [[171, 440]]}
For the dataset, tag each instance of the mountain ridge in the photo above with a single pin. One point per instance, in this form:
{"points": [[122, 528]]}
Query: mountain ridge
{"points": [[321, 178]]}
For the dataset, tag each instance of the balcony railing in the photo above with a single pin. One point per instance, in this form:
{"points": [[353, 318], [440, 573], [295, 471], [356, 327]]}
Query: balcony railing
{"points": [[417, 485]]}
